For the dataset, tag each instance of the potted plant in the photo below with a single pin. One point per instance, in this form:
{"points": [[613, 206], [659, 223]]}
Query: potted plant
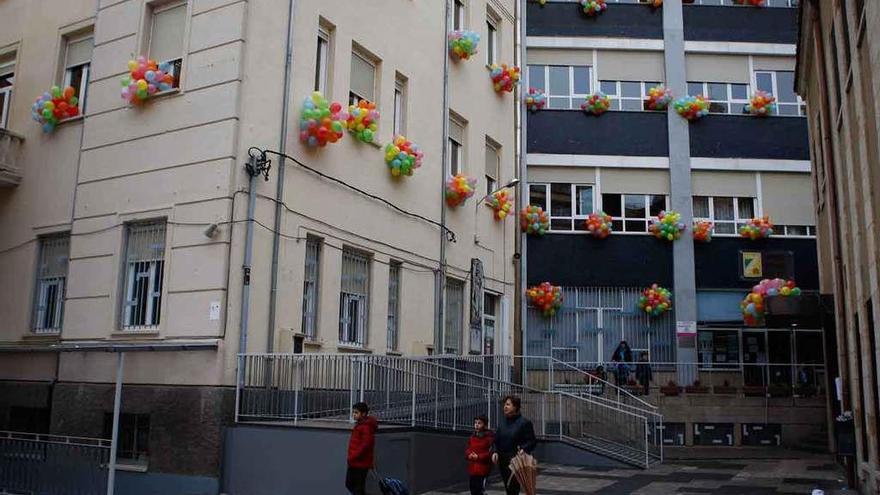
{"points": [[671, 389], [724, 388], [696, 388]]}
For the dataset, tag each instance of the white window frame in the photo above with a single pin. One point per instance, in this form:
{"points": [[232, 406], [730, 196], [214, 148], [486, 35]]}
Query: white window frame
{"points": [[493, 179], [453, 327], [617, 98], [738, 220], [322, 60], [311, 303], [801, 106], [576, 219], [151, 269], [177, 62], [455, 149], [784, 231], [48, 320], [353, 97], [400, 97], [490, 319], [82, 90], [491, 40], [7, 91], [393, 323], [575, 99], [623, 218], [729, 101], [354, 328], [459, 15]]}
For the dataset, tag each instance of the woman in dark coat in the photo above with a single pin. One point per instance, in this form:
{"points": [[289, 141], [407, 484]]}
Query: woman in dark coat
{"points": [[622, 356], [514, 434]]}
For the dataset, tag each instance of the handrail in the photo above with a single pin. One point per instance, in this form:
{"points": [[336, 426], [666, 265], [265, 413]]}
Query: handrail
{"points": [[56, 439], [620, 390]]}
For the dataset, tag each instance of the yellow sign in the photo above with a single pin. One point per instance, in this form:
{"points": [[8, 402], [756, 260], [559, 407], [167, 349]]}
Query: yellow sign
{"points": [[752, 266]]}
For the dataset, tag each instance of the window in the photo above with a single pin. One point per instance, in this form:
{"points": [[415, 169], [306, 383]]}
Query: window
{"points": [[719, 349], [134, 436], [311, 287], [794, 230], [490, 320], [393, 305], [7, 78], [454, 316], [493, 164], [627, 95], [458, 16], [491, 41], [632, 212], [456, 144], [144, 274], [566, 86], [29, 419], [781, 85], [166, 36], [399, 104], [77, 60], [727, 213], [363, 79], [322, 60], [730, 98], [51, 281], [570, 204], [354, 298]]}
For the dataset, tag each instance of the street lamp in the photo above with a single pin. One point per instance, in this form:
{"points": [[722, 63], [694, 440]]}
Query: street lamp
{"points": [[512, 183]]}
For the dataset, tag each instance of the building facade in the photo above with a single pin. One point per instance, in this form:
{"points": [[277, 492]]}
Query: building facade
{"points": [[838, 60], [127, 225], [728, 167]]}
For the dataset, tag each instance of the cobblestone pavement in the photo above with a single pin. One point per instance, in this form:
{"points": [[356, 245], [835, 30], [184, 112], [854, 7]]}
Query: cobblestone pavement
{"points": [[715, 477]]}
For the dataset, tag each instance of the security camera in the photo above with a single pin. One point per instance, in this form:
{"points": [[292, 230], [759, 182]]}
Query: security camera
{"points": [[211, 231]]}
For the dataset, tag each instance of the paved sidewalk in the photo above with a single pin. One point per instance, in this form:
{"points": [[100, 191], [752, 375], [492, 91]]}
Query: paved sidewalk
{"points": [[716, 477]]}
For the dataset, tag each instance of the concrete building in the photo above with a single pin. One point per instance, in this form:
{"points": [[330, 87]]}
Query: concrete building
{"points": [[125, 228], [739, 384], [837, 74]]}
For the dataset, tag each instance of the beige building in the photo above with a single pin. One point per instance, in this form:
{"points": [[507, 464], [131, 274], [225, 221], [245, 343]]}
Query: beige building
{"points": [[127, 225], [838, 66]]}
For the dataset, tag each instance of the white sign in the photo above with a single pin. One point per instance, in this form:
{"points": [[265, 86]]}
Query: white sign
{"points": [[685, 328], [214, 311]]}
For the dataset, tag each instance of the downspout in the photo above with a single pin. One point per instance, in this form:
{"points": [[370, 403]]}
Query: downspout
{"points": [[519, 327], [279, 187], [440, 298]]}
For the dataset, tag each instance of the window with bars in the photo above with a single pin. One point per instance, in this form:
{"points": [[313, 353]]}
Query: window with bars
{"points": [[780, 84], [354, 298], [7, 80], [727, 213], [568, 205], [493, 164], [77, 61], [490, 322], [311, 287], [566, 86], [322, 60], [144, 275], [632, 212], [628, 95], [166, 43], [134, 436], [454, 315], [393, 305], [729, 98], [363, 78], [48, 311]]}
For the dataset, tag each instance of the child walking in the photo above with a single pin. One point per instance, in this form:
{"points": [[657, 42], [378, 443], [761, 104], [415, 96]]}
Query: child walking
{"points": [[479, 455], [360, 449]]}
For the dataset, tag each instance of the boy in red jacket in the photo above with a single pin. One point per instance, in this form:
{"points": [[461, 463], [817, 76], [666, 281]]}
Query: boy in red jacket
{"points": [[479, 455], [360, 449]]}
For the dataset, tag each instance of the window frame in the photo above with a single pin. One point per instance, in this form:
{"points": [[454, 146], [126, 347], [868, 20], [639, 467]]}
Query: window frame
{"points": [[619, 222], [400, 103], [81, 90], [359, 335], [176, 62], [738, 220], [800, 104], [575, 99], [393, 321], [454, 326], [459, 15], [488, 347], [322, 60], [617, 98], [141, 422], [575, 218], [155, 274], [354, 97], [493, 180], [6, 105], [42, 283], [729, 101], [491, 40], [310, 316]]}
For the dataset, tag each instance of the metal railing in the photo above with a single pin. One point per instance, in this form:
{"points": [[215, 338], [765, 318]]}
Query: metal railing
{"points": [[319, 389], [52, 465]]}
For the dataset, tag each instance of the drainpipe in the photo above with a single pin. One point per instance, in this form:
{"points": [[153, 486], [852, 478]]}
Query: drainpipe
{"points": [[279, 188], [520, 316], [440, 299]]}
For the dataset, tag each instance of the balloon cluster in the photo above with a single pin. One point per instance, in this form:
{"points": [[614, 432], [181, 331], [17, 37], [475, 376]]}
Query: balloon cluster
{"points": [[692, 107], [593, 7], [319, 121], [597, 103], [362, 120], [54, 106], [655, 300], [501, 203], [752, 306], [459, 188], [703, 231], [534, 220], [463, 44], [402, 156], [145, 78], [753, 3], [504, 78], [546, 297], [598, 224], [668, 226], [656, 4], [536, 99], [757, 228], [659, 97], [542, 2], [762, 104]]}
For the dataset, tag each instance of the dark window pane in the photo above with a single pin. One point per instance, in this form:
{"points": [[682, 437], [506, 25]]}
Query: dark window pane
{"points": [[634, 205], [725, 228], [536, 77], [631, 105], [649, 85], [629, 88], [560, 200], [658, 204], [615, 105], [701, 206], [718, 91], [617, 225], [785, 86], [584, 199], [796, 230], [636, 226], [559, 103], [538, 195], [695, 88], [717, 107], [559, 83], [737, 108], [581, 80], [723, 208], [765, 81], [739, 91], [608, 87], [611, 204], [788, 109], [560, 224]]}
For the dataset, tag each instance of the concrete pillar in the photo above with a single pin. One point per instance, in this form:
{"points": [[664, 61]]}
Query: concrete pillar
{"points": [[680, 188]]}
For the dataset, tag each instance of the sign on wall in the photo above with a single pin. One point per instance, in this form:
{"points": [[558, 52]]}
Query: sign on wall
{"points": [[752, 264]]}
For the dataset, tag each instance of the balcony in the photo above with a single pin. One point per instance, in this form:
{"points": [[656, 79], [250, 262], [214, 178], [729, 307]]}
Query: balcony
{"points": [[743, 136], [10, 158], [740, 24], [619, 21], [614, 133]]}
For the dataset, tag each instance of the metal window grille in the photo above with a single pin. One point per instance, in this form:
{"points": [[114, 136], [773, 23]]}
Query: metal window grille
{"points": [[144, 275], [354, 298], [134, 435], [393, 306], [454, 316], [51, 282], [311, 285]]}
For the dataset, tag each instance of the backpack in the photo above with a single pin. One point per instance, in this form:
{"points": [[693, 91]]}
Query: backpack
{"points": [[392, 486]]}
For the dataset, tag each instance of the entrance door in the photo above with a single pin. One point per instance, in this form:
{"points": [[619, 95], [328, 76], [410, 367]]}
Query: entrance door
{"points": [[754, 353], [779, 350]]}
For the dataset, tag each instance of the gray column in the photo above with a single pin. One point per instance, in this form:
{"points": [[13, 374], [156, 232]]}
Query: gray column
{"points": [[685, 294]]}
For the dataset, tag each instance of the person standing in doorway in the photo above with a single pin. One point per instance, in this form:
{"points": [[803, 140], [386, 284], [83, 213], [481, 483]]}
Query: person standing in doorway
{"points": [[514, 434], [360, 449], [644, 374], [622, 356], [479, 455]]}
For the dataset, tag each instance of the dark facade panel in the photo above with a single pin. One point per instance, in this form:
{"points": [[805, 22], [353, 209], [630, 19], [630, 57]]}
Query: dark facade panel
{"points": [[717, 263], [619, 21], [743, 24], [742, 136], [614, 133]]}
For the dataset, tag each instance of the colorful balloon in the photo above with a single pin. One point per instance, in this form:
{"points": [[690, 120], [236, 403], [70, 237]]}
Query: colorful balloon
{"points": [[320, 121], [597, 103], [536, 99], [599, 224], [668, 226], [692, 107], [362, 120], [501, 203], [655, 300], [762, 104], [534, 220], [546, 297], [753, 306], [145, 78], [757, 228], [656, 4], [459, 188], [402, 156], [703, 231], [593, 7], [504, 78], [659, 97], [53, 106], [463, 44]]}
